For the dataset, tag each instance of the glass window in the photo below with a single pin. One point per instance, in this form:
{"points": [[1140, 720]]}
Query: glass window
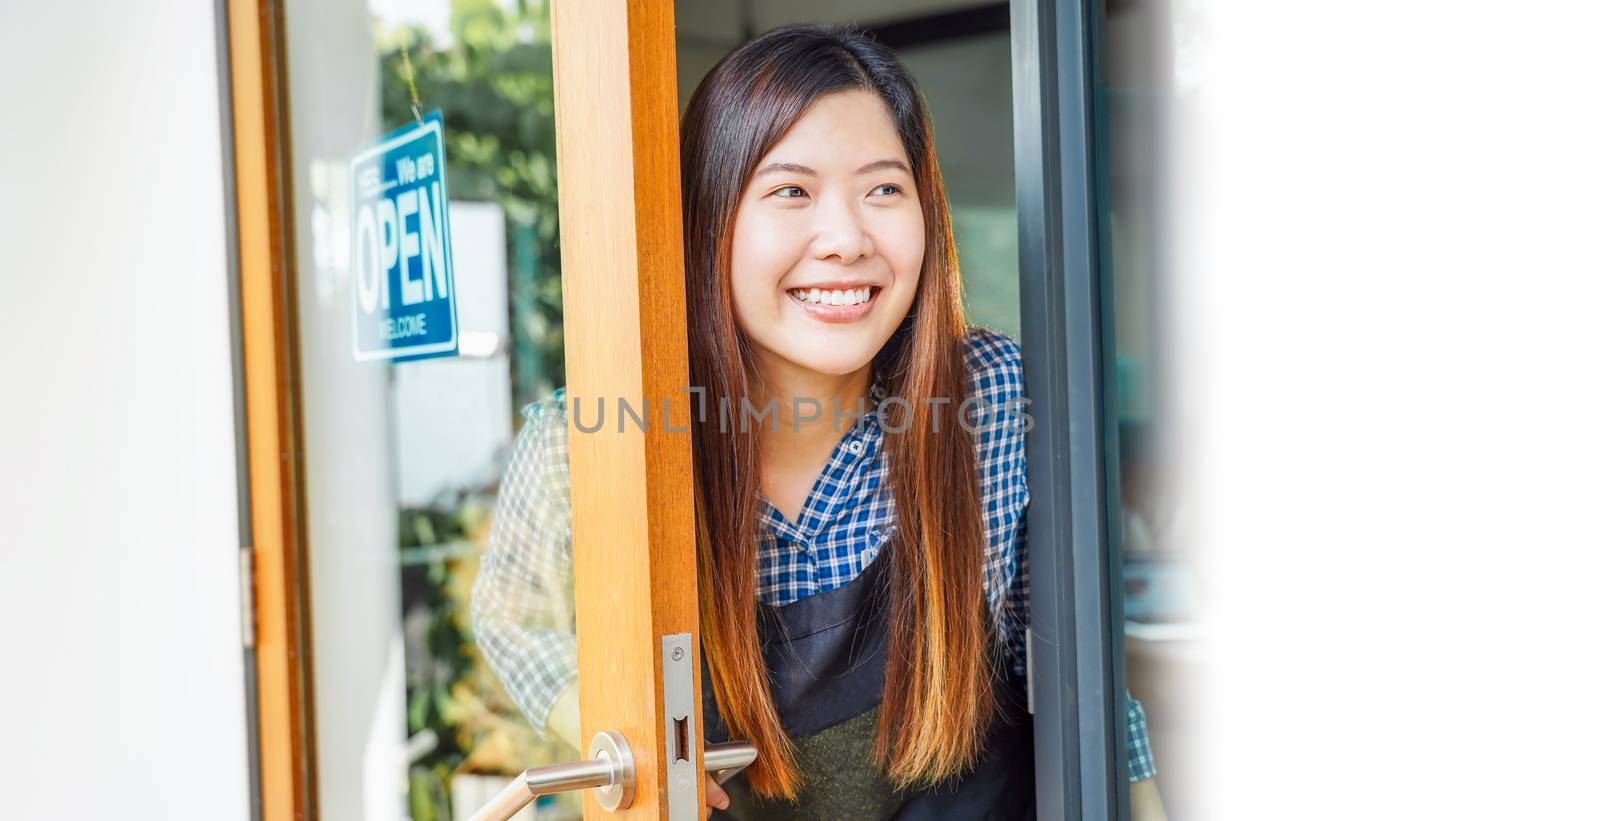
{"points": [[403, 462], [1145, 87]]}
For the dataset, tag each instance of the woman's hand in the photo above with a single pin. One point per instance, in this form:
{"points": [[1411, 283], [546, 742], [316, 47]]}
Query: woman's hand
{"points": [[716, 797], [1145, 802], [563, 723]]}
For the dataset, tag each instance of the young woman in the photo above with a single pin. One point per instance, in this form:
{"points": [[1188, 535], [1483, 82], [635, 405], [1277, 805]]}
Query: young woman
{"points": [[863, 572]]}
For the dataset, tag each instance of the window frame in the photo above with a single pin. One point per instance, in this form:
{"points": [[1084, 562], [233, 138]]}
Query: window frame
{"points": [[1075, 643]]}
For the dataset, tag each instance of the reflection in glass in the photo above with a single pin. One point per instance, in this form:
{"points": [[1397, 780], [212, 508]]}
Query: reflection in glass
{"points": [[1144, 94], [403, 462]]}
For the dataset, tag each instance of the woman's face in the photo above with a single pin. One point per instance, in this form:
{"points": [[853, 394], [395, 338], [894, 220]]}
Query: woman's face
{"points": [[828, 239]]}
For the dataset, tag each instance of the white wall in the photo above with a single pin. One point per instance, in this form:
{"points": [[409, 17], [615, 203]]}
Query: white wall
{"points": [[120, 663]]}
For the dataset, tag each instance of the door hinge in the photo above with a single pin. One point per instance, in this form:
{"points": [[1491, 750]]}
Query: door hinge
{"points": [[1027, 655], [247, 597]]}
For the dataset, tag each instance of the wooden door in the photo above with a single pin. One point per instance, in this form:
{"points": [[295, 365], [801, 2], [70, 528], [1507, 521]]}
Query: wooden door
{"points": [[329, 741], [633, 502]]}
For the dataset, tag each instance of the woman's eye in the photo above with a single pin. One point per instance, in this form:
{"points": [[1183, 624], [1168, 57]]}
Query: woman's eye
{"points": [[892, 188], [798, 192]]}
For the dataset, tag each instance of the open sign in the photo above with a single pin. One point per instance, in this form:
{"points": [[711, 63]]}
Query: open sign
{"points": [[402, 279]]}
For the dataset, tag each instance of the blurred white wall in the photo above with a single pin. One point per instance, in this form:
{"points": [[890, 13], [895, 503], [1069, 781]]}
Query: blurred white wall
{"points": [[122, 680]]}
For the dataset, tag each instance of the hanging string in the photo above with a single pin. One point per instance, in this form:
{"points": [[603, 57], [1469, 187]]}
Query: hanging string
{"points": [[411, 82]]}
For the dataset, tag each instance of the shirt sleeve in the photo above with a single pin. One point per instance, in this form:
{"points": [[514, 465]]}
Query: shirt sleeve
{"points": [[1013, 617], [1141, 761], [994, 367], [522, 604]]}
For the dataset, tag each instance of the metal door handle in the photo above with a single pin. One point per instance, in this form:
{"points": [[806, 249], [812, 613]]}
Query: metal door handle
{"points": [[724, 761], [609, 772]]}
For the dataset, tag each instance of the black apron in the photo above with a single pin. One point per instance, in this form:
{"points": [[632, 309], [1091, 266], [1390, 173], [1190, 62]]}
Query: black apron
{"points": [[825, 656]]}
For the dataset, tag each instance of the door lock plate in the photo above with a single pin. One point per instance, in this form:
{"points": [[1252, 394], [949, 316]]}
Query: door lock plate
{"points": [[681, 727]]}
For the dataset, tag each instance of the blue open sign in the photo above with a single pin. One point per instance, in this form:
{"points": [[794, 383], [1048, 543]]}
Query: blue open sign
{"points": [[403, 282]]}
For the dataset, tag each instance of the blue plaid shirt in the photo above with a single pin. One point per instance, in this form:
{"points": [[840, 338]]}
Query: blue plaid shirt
{"points": [[522, 599]]}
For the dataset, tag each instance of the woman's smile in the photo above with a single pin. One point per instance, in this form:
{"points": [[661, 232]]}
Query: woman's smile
{"points": [[834, 304]]}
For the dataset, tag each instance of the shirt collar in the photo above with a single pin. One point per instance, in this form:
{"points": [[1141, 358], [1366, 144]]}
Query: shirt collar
{"points": [[856, 443]]}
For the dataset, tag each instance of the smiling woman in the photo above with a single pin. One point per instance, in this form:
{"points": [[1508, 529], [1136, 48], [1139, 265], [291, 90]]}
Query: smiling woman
{"points": [[821, 263], [848, 195], [863, 596]]}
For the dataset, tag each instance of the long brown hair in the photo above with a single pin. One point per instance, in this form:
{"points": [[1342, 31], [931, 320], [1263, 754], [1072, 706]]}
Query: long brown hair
{"points": [[938, 683]]}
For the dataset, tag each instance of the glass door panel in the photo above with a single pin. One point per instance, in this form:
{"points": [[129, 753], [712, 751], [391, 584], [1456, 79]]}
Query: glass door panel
{"points": [[1145, 90], [403, 462]]}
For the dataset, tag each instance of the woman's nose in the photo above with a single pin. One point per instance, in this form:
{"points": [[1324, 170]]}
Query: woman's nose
{"points": [[841, 233]]}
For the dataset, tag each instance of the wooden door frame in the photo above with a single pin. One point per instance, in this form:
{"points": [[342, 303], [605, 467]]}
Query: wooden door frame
{"points": [[633, 505], [274, 560]]}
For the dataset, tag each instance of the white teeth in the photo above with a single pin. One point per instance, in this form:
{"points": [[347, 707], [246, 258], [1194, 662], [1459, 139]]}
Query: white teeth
{"points": [[847, 296]]}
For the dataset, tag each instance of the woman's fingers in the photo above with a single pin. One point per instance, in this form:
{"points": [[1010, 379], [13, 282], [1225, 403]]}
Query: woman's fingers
{"points": [[715, 796]]}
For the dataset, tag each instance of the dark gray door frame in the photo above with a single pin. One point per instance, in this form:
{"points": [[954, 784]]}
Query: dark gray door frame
{"points": [[1075, 645]]}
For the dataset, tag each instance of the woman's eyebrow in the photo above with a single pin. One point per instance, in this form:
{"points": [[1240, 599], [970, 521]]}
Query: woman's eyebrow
{"points": [[796, 168], [881, 164]]}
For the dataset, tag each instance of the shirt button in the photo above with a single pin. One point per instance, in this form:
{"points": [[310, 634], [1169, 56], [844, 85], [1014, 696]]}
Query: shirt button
{"points": [[856, 447]]}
